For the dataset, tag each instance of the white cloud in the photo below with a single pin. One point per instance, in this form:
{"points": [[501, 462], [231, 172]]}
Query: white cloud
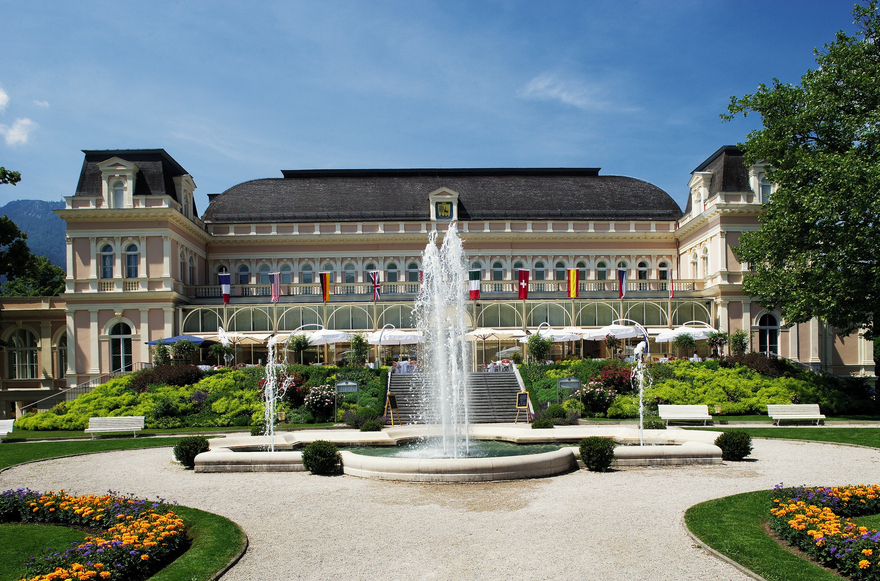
{"points": [[4, 99], [41, 103], [19, 132], [574, 92]]}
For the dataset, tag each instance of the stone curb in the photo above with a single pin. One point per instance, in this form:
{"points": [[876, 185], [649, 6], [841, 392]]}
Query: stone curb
{"points": [[719, 556]]}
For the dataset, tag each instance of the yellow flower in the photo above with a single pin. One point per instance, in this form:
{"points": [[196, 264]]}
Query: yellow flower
{"points": [[867, 552], [145, 557], [864, 564]]}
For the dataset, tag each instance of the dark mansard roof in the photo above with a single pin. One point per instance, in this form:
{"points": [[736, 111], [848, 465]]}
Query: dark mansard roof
{"points": [[156, 170], [402, 194], [730, 174]]}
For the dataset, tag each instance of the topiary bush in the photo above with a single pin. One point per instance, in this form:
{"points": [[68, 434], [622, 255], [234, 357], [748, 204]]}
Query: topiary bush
{"points": [[322, 457], [734, 445], [188, 448], [555, 411], [542, 424], [372, 426], [597, 453]]}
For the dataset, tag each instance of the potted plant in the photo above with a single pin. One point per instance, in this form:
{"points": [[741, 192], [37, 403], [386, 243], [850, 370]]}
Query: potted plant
{"points": [[182, 350]]}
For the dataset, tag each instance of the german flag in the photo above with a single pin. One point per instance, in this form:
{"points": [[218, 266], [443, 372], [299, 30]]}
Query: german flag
{"points": [[325, 285], [572, 283]]}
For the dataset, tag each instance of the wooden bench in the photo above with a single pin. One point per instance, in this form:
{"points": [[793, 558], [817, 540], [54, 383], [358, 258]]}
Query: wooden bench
{"points": [[132, 424], [5, 428], [684, 412], [803, 411]]}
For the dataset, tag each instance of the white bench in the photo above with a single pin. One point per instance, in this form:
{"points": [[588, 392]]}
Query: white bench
{"points": [[684, 412], [5, 428], [132, 424], [802, 411]]}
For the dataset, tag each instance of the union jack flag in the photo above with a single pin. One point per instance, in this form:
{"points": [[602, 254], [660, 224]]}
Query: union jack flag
{"points": [[374, 276]]}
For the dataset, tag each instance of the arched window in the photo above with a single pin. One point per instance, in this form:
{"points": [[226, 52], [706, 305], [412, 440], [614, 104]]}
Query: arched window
{"points": [[498, 275], [391, 272], [601, 275], [221, 270], [412, 272], [182, 268], [61, 357], [191, 268], [695, 265], [348, 273], [329, 268], [306, 274], [244, 274], [120, 348], [705, 263], [540, 271], [106, 259], [478, 266], [560, 273], [766, 190], [264, 274], [663, 275], [118, 195], [643, 275], [582, 270], [622, 264], [286, 274], [768, 335], [132, 259], [21, 355]]}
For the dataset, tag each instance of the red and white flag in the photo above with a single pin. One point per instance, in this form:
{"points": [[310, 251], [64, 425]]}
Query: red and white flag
{"points": [[621, 283], [225, 286], [377, 286], [672, 288], [523, 284], [274, 286]]}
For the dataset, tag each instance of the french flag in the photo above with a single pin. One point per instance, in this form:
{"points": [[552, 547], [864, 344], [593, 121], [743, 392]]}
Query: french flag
{"points": [[224, 286]]}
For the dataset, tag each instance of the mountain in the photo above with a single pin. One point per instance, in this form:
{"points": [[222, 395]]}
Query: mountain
{"points": [[45, 230]]}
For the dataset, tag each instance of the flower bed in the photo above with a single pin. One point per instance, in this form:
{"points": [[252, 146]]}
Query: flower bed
{"points": [[817, 520], [135, 537]]}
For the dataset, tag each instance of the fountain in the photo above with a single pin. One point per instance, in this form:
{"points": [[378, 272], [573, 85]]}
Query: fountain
{"points": [[440, 313]]}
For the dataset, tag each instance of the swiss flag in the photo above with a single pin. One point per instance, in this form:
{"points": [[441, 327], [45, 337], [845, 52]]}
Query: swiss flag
{"points": [[523, 284]]}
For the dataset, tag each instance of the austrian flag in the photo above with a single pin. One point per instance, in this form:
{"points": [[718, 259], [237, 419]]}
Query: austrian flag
{"points": [[224, 286], [474, 284]]}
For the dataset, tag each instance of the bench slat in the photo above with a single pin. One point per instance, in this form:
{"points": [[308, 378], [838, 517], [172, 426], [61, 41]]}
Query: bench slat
{"points": [[684, 412], [116, 424], [808, 411]]}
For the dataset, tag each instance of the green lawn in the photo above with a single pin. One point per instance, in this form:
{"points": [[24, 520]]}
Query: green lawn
{"points": [[733, 526], [216, 539], [22, 435], [861, 436]]}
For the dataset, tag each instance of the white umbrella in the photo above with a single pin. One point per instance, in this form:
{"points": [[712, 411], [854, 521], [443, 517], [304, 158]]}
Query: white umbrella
{"points": [[558, 335], [328, 337], [616, 331], [699, 334], [489, 333], [395, 337], [505, 353]]}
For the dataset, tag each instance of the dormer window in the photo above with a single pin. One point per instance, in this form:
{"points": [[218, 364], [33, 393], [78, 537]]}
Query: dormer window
{"points": [[118, 178], [444, 205], [118, 195]]}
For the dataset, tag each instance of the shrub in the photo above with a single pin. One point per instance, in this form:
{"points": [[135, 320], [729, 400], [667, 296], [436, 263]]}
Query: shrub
{"points": [[177, 375], [542, 424], [654, 424], [739, 341], [555, 411], [356, 418], [188, 448], [321, 457], [618, 377], [734, 445], [597, 453], [372, 426]]}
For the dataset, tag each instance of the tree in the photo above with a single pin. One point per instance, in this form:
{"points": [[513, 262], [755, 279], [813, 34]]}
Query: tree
{"points": [[539, 347], [40, 279], [739, 341], [717, 340], [9, 176], [222, 352], [14, 251], [360, 350], [815, 254], [299, 344], [685, 342]]}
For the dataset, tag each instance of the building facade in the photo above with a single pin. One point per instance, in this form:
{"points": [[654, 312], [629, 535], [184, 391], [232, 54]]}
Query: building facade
{"points": [[143, 265]]}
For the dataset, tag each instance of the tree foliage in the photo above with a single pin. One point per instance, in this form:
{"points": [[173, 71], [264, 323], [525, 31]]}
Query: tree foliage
{"points": [[8, 176], [815, 254]]}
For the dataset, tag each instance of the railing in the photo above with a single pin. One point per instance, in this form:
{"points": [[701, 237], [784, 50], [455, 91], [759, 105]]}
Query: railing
{"points": [[73, 392], [488, 287]]}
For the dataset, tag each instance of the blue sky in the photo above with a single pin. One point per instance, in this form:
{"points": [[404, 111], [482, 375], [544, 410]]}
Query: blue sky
{"points": [[237, 91]]}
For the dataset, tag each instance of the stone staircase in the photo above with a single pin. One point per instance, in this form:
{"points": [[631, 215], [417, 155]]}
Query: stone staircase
{"points": [[492, 398]]}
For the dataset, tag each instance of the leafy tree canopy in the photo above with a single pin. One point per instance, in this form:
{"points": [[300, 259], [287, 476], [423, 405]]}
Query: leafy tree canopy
{"points": [[9, 176], [14, 251], [815, 254], [40, 279]]}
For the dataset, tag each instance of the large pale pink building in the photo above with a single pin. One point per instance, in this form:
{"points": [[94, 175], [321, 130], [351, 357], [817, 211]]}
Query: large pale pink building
{"points": [[143, 265]]}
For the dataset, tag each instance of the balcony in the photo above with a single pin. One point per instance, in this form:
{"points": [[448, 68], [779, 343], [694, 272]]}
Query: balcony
{"points": [[405, 291]]}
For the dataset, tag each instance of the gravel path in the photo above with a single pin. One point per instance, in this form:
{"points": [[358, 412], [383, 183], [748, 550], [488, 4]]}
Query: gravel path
{"points": [[623, 525]]}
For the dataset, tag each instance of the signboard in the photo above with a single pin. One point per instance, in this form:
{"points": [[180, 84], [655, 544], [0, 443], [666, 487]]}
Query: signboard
{"points": [[522, 400], [392, 402], [346, 386], [568, 383], [443, 210]]}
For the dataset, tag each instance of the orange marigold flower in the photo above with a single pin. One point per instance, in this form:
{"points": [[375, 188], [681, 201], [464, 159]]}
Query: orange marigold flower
{"points": [[864, 564], [146, 557]]}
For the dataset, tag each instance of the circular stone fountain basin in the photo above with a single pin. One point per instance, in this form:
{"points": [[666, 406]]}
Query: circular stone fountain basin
{"points": [[677, 447]]}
